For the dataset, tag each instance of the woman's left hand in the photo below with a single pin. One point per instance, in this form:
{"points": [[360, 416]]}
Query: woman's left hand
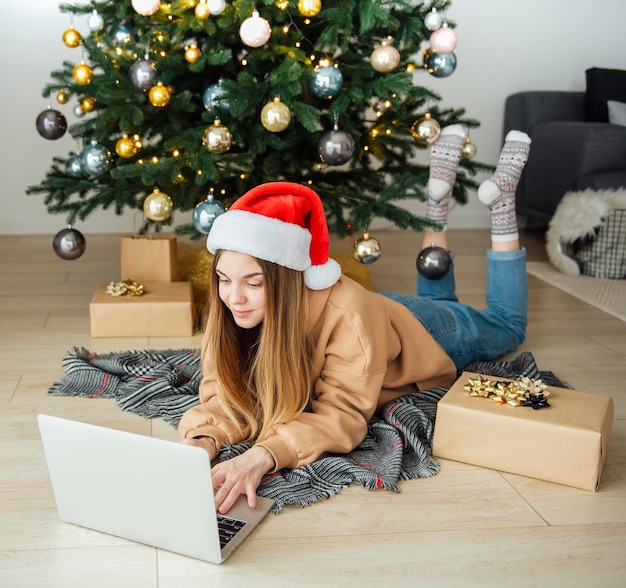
{"points": [[240, 475]]}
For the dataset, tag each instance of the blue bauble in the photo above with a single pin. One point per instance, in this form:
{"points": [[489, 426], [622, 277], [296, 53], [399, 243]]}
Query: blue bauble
{"points": [[123, 34], [205, 213], [326, 82], [441, 65], [213, 99], [73, 167], [95, 159]]}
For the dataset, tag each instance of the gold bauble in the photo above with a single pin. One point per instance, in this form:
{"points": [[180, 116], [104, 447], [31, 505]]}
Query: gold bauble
{"points": [[275, 116], [426, 130], [366, 249], [87, 104], [217, 138], [202, 11], [159, 95], [62, 96], [192, 54], [158, 206], [469, 149], [126, 147], [82, 74], [309, 7], [385, 58], [72, 38]]}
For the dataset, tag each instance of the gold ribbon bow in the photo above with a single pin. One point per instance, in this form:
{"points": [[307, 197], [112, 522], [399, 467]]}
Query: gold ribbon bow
{"points": [[511, 393], [127, 287]]}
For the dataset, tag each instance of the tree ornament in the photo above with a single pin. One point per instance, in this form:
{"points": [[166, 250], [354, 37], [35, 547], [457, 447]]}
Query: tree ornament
{"points": [[441, 66], [205, 213], [433, 20], [275, 116], [309, 8], [336, 147], [443, 40], [192, 53], [126, 147], [469, 149], [255, 31], [51, 124], [202, 11], [217, 138], [72, 38], [385, 58], [159, 95], [433, 262], [216, 7], [146, 7], [95, 22], [87, 104], [366, 249], [63, 96], [72, 166], [326, 80], [143, 74], [95, 160], [78, 111], [213, 100], [426, 130], [123, 34], [69, 244], [82, 74], [158, 206]]}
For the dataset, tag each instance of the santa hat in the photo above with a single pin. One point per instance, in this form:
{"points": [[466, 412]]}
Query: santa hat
{"points": [[283, 223]]}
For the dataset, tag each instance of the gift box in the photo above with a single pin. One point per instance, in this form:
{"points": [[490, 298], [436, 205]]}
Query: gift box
{"points": [[151, 258], [565, 442], [164, 310]]}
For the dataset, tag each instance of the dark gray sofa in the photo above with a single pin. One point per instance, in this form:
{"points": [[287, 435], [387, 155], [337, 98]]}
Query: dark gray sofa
{"points": [[567, 153]]}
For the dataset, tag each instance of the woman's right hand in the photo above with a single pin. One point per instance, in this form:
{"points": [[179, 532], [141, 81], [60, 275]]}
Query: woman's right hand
{"points": [[207, 443]]}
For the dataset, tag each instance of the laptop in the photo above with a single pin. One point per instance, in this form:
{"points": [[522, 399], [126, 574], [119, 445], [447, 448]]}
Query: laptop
{"points": [[148, 490]]}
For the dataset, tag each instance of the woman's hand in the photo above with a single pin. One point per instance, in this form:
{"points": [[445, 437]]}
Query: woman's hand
{"points": [[241, 475], [207, 443]]}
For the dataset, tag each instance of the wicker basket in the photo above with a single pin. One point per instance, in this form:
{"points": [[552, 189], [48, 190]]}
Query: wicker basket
{"points": [[603, 255]]}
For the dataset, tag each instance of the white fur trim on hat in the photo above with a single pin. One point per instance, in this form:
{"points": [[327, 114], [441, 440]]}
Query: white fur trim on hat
{"points": [[577, 215]]}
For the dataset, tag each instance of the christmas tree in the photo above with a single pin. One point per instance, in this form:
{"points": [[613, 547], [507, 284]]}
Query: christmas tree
{"points": [[185, 105]]}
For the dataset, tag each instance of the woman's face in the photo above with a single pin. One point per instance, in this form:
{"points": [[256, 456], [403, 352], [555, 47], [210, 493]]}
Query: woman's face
{"points": [[241, 288]]}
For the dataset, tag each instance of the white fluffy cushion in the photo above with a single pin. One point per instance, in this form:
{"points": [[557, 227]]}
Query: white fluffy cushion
{"points": [[617, 112]]}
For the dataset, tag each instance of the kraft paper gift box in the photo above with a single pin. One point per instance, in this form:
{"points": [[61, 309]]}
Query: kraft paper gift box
{"points": [[564, 443], [151, 258], [165, 310]]}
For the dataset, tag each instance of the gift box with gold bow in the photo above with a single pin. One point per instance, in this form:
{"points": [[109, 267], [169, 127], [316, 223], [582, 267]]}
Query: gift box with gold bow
{"points": [[496, 423]]}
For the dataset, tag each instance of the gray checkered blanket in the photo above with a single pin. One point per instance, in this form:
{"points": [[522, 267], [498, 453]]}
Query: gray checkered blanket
{"points": [[398, 445]]}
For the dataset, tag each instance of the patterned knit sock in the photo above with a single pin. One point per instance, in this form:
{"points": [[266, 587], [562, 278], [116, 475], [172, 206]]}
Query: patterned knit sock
{"points": [[498, 192], [444, 160]]}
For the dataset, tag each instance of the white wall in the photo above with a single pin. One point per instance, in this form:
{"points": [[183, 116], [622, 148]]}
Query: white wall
{"points": [[504, 46]]}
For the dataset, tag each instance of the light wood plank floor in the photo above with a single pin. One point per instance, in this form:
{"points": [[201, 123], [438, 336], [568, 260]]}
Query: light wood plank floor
{"points": [[467, 526]]}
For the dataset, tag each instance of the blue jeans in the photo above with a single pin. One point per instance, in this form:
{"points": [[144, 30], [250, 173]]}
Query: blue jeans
{"points": [[468, 334]]}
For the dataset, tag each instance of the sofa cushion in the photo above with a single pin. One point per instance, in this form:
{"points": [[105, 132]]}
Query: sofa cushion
{"points": [[603, 85]]}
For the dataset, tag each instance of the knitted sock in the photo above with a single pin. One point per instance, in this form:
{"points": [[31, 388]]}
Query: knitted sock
{"points": [[444, 160], [498, 192]]}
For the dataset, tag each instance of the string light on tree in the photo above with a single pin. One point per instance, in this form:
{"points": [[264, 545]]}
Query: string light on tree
{"points": [[158, 206], [255, 31]]}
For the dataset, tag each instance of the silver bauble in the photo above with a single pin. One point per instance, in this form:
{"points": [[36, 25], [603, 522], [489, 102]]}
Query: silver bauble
{"points": [[69, 244], [336, 147], [433, 262], [143, 74], [366, 249]]}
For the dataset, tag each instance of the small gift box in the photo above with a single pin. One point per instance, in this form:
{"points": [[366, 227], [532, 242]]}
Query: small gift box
{"points": [[149, 309], [151, 258], [495, 423]]}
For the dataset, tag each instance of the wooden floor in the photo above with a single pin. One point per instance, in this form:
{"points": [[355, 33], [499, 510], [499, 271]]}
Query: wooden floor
{"points": [[467, 526]]}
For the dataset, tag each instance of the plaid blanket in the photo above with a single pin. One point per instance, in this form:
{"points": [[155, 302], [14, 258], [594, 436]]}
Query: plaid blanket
{"points": [[398, 445]]}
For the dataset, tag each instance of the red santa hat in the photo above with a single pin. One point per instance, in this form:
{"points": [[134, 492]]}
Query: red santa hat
{"points": [[283, 223]]}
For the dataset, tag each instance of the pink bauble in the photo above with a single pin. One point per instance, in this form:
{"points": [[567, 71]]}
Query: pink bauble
{"points": [[443, 40], [146, 7]]}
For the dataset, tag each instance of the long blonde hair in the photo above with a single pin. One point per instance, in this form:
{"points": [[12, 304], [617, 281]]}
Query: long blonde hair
{"points": [[269, 382]]}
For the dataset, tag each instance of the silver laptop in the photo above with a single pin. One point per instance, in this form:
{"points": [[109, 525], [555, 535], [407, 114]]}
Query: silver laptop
{"points": [[141, 488]]}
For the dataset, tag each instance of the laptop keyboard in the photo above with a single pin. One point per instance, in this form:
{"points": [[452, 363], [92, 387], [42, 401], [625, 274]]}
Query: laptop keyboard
{"points": [[228, 528]]}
